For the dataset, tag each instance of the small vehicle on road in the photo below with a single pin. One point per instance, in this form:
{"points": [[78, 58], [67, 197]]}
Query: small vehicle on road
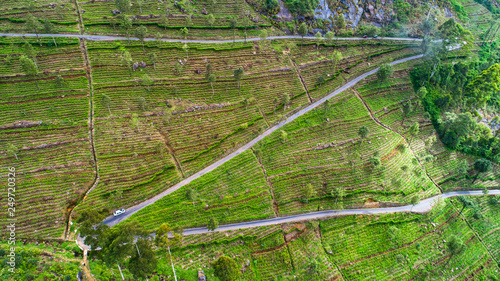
{"points": [[118, 212], [365, 36], [375, 36]]}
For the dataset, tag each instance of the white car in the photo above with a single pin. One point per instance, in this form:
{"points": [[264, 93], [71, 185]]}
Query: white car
{"points": [[118, 212]]}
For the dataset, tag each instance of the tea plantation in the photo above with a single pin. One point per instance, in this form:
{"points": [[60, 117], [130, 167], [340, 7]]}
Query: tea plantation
{"points": [[250, 140]]}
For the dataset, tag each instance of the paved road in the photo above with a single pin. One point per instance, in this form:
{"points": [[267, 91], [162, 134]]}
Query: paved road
{"points": [[424, 206], [111, 220], [110, 38]]}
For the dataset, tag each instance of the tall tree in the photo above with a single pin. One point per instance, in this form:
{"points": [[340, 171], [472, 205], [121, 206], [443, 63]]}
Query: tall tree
{"points": [[147, 81], [33, 25], [363, 132], [126, 24], [158, 38], [484, 86], [384, 73], [263, 36], [238, 74], [123, 5], [164, 21], [186, 49], [213, 224], [106, 102], [153, 58], [455, 246], [414, 130], [211, 79], [308, 192], [302, 32], [285, 99], [126, 59], [211, 20], [340, 22], [143, 261], [29, 68], [134, 121], [329, 36], [184, 32], [482, 166], [12, 150], [319, 38], [162, 240], [49, 28], [141, 32], [30, 52], [191, 195], [233, 21], [140, 3], [226, 269]]}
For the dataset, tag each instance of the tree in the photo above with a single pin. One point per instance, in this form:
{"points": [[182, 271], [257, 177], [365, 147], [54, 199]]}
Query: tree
{"points": [[226, 269], [285, 99], [184, 33], [283, 136], [147, 81], [123, 5], [462, 167], [49, 28], [484, 86], [141, 32], [375, 161], [363, 132], [414, 130], [308, 192], [338, 193], [238, 74], [29, 68], [59, 81], [162, 240], [179, 68], [189, 21], [340, 22], [126, 60], [303, 32], [466, 203], [421, 93], [153, 58], [415, 200], [318, 37], [482, 166], [427, 26], [191, 195], [33, 25], [126, 24], [211, 79], [384, 73], [134, 121], [246, 22], [337, 56], [455, 246], [91, 228], [140, 3], [106, 102], [167, 114], [186, 49], [329, 36], [143, 261], [12, 150], [213, 224], [211, 20], [233, 21], [164, 21], [407, 108], [263, 36], [158, 38], [30, 52]]}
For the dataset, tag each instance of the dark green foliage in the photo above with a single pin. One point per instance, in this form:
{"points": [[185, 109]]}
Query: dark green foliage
{"points": [[301, 7], [143, 261], [226, 269]]}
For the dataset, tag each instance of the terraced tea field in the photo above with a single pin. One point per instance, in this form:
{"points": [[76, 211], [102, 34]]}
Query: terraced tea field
{"points": [[49, 129]]}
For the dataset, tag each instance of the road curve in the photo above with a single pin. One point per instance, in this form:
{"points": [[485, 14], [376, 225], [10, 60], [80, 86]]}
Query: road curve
{"points": [[111, 220], [110, 38], [424, 206]]}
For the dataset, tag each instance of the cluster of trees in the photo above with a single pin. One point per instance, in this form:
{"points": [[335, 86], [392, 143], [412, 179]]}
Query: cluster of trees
{"points": [[454, 92], [130, 246]]}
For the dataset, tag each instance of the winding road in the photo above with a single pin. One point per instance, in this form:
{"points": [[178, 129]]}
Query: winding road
{"points": [[110, 38], [424, 206], [111, 220]]}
